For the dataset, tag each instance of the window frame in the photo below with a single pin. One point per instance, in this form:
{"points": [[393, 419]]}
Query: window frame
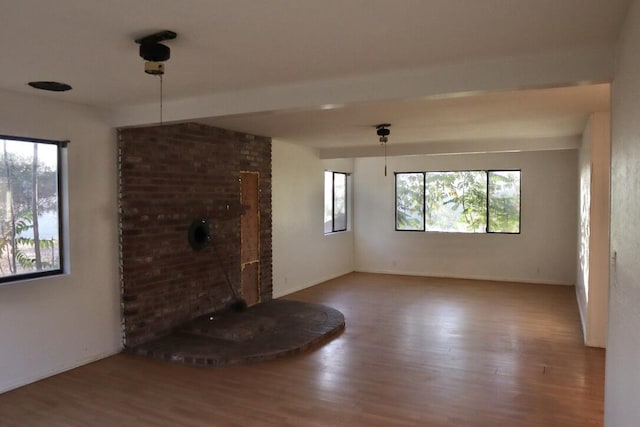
{"points": [[424, 202], [333, 202], [60, 175]]}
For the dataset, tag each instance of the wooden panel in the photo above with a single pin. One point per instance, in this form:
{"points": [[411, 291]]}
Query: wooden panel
{"points": [[250, 282], [250, 232], [250, 227]]}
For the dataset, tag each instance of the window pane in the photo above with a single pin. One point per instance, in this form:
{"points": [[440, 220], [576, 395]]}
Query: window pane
{"points": [[29, 220], [328, 202], [456, 201], [504, 201], [339, 201], [410, 201]]}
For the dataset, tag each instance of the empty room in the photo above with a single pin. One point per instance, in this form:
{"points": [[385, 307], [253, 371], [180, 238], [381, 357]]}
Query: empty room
{"points": [[305, 213]]}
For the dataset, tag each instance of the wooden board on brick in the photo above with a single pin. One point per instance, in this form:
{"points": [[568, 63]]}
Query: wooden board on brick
{"points": [[250, 235], [250, 282], [250, 227]]}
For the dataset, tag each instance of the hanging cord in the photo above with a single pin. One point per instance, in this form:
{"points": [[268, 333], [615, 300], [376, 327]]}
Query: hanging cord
{"points": [[384, 144], [161, 98], [382, 130], [238, 304]]}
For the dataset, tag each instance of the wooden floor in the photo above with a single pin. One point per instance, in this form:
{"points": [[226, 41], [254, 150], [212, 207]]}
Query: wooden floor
{"points": [[415, 352]]}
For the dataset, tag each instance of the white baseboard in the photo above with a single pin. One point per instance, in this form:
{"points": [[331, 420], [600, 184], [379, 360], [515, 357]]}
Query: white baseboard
{"points": [[314, 282], [308, 284], [468, 277]]}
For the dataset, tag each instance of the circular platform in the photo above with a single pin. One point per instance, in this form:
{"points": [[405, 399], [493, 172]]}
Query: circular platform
{"points": [[263, 332]]}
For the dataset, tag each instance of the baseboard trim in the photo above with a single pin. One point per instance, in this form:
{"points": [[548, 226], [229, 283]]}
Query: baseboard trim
{"points": [[308, 284], [466, 277]]}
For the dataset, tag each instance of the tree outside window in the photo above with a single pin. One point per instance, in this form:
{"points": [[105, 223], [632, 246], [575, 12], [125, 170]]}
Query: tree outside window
{"points": [[458, 201]]}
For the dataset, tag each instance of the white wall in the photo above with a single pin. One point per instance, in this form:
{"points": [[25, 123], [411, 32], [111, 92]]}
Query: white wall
{"points": [[54, 324], [623, 346], [545, 251], [592, 282], [302, 255]]}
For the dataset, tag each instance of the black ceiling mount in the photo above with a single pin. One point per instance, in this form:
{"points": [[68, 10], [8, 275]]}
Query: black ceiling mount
{"points": [[383, 131], [152, 50], [158, 37], [155, 52], [50, 86]]}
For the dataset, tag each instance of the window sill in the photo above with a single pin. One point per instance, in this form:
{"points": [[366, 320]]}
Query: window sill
{"points": [[333, 233], [464, 233], [26, 280]]}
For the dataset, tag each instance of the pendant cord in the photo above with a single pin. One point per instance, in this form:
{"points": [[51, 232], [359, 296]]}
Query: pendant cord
{"points": [[161, 98], [382, 130], [385, 158]]}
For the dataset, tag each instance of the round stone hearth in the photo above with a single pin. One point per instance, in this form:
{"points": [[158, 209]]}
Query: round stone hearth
{"points": [[265, 331]]}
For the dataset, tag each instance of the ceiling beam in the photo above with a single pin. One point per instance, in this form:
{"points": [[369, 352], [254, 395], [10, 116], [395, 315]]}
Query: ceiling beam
{"points": [[454, 147], [562, 68]]}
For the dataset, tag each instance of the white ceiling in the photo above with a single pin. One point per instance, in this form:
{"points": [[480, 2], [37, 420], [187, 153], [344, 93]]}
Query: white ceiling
{"points": [[538, 113], [224, 46]]}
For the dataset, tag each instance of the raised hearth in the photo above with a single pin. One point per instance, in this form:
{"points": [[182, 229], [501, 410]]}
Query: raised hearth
{"points": [[263, 332]]}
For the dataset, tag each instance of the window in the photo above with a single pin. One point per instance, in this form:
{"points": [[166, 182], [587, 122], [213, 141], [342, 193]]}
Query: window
{"points": [[30, 216], [410, 201], [335, 201], [504, 202], [458, 201]]}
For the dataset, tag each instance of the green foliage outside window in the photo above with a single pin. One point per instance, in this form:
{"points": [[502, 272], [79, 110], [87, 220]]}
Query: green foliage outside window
{"points": [[410, 201], [456, 201], [504, 201], [459, 201]]}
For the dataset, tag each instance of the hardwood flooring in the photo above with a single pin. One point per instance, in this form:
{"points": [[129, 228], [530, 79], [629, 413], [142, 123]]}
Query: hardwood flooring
{"points": [[415, 352]]}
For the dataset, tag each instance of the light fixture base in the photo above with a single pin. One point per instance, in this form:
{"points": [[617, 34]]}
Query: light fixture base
{"points": [[154, 68]]}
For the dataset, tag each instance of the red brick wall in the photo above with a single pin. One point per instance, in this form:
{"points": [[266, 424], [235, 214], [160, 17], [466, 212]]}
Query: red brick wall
{"points": [[170, 176]]}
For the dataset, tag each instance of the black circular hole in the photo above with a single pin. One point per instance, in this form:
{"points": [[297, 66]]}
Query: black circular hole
{"points": [[199, 234], [51, 86]]}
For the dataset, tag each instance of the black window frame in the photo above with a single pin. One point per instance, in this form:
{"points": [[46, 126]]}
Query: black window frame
{"points": [[333, 202], [61, 145], [424, 213]]}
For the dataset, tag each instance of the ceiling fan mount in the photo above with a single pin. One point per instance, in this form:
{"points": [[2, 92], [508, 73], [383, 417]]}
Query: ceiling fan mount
{"points": [[158, 37], [154, 52], [382, 130]]}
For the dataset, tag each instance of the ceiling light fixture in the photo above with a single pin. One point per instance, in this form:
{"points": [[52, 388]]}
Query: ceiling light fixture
{"points": [[155, 53], [382, 130]]}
